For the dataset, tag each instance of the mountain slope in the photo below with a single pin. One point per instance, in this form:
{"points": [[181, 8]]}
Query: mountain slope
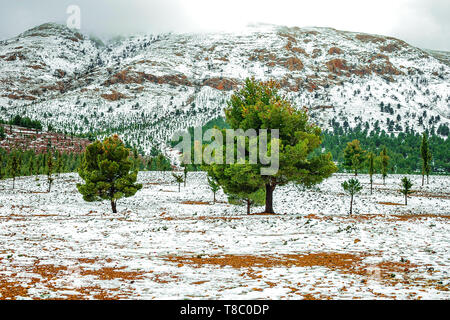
{"points": [[147, 87]]}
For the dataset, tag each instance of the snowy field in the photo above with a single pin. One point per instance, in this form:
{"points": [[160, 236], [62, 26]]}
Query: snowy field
{"points": [[169, 245]]}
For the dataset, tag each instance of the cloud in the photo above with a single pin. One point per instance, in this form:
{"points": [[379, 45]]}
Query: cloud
{"points": [[423, 23]]}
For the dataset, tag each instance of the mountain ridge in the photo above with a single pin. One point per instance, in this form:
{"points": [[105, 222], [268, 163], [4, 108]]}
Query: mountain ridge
{"points": [[146, 87]]}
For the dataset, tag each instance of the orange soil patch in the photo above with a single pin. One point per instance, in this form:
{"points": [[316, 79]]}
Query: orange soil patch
{"points": [[203, 218], [11, 289], [430, 195], [263, 214], [200, 282], [195, 202], [331, 260], [391, 203], [405, 217], [107, 273]]}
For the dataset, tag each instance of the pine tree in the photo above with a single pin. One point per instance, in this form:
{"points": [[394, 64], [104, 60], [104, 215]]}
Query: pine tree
{"points": [[352, 187], [249, 199], [406, 185], [425, 154], [14, 166], [214, 186], [259, 106], [178, 179], [354, 156], [384, 161], [1, 163], [105, 168], [59, 163], [185, 172], [371, 168], [49, 170], [239, 181]]}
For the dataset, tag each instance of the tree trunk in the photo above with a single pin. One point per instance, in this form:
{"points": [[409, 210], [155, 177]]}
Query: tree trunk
{"points": [[371, 183], [269, 198], [351, 204], [49, 186], [179, 185], [14, 182], [214, 197], [423, 179], [428, 179], [248, 206], [113, 206], [356, 172], [406, 200]]}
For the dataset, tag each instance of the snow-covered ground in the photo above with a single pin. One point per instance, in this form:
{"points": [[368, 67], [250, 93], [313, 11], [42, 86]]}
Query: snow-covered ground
{"points": [[169, 245]]}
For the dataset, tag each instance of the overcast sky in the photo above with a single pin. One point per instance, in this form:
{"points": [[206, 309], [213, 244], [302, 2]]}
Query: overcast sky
{"points": [[422, 23]]}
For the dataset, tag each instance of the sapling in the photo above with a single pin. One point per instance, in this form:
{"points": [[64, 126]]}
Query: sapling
{"points": [[214, 187], [352, 187], [179, 179], [406, 185]]}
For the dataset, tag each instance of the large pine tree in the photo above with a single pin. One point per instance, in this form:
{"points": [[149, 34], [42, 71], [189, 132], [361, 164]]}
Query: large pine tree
{"points": [[258, 105], [106, 170]]}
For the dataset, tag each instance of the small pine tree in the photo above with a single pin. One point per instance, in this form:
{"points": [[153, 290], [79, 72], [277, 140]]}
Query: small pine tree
{"points": [[50, 165], [425, 154], [106, 170], [59, 163], [384, 161], [214, 187], [371, 168], [14, 166], [185, 172], [352, 187], [249, 199], [178, 179], [354, 156], [406, 185]]}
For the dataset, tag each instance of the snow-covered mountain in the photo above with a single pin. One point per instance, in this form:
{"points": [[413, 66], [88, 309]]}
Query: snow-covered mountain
{"points": [[148, 86]]}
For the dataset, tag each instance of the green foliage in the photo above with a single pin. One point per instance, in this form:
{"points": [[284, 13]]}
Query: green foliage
{"points": [[402, 148], [259, 106], [105, 169], [352, 187], [371, 168], [214, 186], [406, 186], [426, 156], [179, 179], [384, 162], [14, 165], [24, 122], [50, 165], [354, 156], [2, 133]]}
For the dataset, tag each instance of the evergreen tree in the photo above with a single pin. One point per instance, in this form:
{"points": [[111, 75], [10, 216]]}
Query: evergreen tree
{"points": [[352, 187], [105, 168], [59, 163], [406, 185], [371, 168], [425, 154], [178, 179], [50, 165], [1, 164], [14, 166], [384, 162], [249, 199], [259, 106], [185, 172], [354, 156], [214, 186], [239, 181]]}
